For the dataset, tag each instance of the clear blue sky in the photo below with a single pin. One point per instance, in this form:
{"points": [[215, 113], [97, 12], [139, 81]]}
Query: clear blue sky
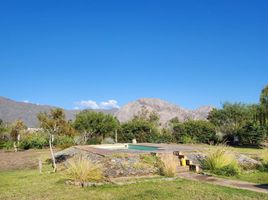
{"points": [[191, 53]]}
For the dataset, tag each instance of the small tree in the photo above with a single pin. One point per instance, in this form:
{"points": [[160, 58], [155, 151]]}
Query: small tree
{"points": [[16, 130], [54, 123]]}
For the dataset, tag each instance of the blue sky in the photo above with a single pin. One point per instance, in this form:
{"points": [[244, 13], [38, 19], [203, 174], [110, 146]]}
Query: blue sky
{"points": [[191, 53]]}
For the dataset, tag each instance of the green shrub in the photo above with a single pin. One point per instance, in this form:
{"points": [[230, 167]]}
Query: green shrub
{"points": [[194, 132], [220, 160], [187, 139], [140, 129], [251, 134], [94, 140], [64, 141], [83, 170], [34, 141], [149, 159], [229, 170], [7, 145]]}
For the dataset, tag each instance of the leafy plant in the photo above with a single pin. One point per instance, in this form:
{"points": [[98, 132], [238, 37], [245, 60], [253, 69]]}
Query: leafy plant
{"points": [[83, 170], [220, 160], [64, 141], [34, 141]]}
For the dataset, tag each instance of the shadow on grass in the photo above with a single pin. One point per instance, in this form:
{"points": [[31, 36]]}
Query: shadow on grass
{"points": [[262, 186]]}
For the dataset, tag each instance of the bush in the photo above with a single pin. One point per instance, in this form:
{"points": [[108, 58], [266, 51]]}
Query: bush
{"points": [[7, 145], [221, 161], [82, 170], [64, 141], [94, 140], [167, 165], [34, 141], [141, 130], [194, 132], [251, 134]]}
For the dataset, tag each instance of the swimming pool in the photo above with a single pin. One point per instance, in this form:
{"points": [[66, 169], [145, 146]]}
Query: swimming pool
{"points": [[134, 147], [142, 148]]}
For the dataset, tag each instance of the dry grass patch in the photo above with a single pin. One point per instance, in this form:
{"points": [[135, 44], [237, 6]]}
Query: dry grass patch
{"points": [[82, 170], [168, 164]]}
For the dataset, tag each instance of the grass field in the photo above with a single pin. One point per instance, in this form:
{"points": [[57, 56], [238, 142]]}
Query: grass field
{"points": [[28, 184], [19, 179]]}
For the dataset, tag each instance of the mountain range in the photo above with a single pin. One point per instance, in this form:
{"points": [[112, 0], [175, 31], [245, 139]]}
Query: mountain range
{"points": [[11, 110]]}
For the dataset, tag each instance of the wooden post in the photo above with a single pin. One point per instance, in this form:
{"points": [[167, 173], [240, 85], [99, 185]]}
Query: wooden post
{"points": [[40, 165]]}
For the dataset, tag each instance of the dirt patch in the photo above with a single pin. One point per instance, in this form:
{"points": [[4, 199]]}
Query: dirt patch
{"points": [[22, 159]]}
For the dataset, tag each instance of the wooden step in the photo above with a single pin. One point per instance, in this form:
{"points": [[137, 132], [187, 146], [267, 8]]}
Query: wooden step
{"points": [[194, 168], [182, 169]]}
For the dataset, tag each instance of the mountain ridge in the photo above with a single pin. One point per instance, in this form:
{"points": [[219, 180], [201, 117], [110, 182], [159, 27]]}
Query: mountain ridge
{"points": [[11, 110]]}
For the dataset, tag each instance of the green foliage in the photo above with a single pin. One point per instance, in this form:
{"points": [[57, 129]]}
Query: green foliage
{"points": [[230, 118], [93, 124], [7, 145], [251, 134], [146, 115], [229, 170], [34, 141], [83, 170], [220, 160], [194, 131], [149, 159], [264, 105], [55, 123], [141, 130], [94, 140], [64, 141]]}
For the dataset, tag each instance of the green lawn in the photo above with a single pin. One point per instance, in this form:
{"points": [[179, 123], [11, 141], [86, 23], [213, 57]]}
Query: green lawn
{"points": [[254, 177], [28, 184]]}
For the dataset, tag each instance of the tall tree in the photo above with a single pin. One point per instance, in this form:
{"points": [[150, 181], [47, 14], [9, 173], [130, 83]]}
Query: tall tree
{"points": [[95, 124], [54, 123], [230, 119], [264, 105]]}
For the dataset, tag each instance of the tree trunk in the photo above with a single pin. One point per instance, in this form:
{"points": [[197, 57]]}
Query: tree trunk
{"points": [[52, 154], [15, 147]]}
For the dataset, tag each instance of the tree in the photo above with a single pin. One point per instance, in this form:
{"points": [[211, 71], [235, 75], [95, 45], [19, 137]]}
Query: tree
{"points": [[95, 124], [230, 119], [251, 134], [54, 123], [16, 130], [264, 105], [139, 129], [146, 115], [195, 131]]}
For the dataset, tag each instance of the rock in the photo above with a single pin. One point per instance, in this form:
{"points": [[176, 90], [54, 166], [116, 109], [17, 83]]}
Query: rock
{"points": [[196, 158], [246, 162], [164, 109]]}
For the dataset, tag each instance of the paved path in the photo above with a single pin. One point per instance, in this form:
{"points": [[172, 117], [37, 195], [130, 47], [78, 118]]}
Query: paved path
{"points": [[225, 182]]}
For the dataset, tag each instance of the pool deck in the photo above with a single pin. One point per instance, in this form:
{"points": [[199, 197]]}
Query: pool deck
{"points": [[163, 148]]}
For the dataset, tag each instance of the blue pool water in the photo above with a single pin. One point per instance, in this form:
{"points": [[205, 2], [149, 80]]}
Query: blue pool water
{"points": [[142, 148]]}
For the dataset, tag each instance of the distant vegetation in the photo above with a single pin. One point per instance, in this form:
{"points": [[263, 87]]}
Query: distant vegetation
{"points": [[234, 123]]}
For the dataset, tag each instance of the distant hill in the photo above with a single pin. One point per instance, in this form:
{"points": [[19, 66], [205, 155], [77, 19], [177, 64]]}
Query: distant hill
{"points": [[12, 110], [164, 109]]}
